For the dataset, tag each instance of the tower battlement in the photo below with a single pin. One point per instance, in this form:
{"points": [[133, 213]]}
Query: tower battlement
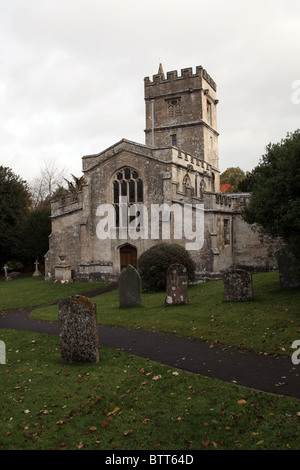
{"points": [[180, 110], [185, 74]]}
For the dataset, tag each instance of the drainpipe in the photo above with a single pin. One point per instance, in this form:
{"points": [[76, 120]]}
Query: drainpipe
{"points": [[152, 121]]}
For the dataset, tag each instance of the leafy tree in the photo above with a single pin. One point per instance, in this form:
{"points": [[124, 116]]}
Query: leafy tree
{"points": [[275, 201], [14, 205], [232, 176], [153, 264], [246, 185], [33, 240]]}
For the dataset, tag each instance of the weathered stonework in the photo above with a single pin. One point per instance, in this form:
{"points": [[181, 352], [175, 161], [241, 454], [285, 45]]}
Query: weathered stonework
{"points": [[77, 317], [177, 285], [177, 166], [129, 287], [237, 285]]}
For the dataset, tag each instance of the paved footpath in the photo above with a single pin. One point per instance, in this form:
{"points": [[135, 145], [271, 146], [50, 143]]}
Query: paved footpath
{"points": [[267, 373]]}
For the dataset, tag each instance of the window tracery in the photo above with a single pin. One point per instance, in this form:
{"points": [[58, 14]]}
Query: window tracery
{"points": [[127, 191]]}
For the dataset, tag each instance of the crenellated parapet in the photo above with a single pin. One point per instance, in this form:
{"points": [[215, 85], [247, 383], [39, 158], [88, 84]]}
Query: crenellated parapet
{"points": [[186, 73], [66, 205]]}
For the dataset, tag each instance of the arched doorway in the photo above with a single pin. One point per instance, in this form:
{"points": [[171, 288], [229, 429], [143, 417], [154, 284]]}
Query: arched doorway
{"points": [[128, 255]]}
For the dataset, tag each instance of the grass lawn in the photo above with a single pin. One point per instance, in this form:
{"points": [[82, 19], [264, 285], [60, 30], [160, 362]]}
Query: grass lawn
{"points": [[126, 402], [268, 324], [28, 291]]}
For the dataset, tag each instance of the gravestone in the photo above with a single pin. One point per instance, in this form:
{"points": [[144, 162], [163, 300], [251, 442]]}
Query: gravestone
{"points": [[129, 287], [77, 317], [237, 285], [37, 272], [6, 276], [177, 285], [287, 266]]}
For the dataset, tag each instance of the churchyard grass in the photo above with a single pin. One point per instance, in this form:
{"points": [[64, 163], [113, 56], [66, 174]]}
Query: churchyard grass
{"points": [[125, 402], [267, 324], [28, 291]]}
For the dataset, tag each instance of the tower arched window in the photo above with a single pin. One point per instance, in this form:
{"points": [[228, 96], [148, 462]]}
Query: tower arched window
{"points": [[127, 196]]}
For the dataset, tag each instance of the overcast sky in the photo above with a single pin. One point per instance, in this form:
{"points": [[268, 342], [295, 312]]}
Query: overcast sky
{"points": [[72, 73]]}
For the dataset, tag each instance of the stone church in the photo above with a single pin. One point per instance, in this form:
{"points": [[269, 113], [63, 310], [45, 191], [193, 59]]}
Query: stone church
{"points": [[176, 168]]}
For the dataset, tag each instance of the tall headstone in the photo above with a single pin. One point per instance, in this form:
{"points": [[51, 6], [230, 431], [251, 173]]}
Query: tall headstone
{"points": [[237, 285], [77, 316], [129, 287], [289, 269], [177, 285]]}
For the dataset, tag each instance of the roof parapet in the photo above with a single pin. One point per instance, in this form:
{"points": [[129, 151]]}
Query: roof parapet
{"points": [[185, 74]]}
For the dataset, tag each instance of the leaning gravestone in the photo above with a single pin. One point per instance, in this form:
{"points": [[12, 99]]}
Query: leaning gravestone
{"points": [[177, 285], [77, 316], [129, 287], [237, 285]]}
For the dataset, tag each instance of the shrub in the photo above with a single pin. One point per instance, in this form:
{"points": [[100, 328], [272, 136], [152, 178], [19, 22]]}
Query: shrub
{"points": [[153, 264]]}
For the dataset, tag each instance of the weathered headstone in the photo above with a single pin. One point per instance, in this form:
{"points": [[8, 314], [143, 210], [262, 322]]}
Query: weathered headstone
{"points": [[177, 285], [77, 316], [237, 285], [129, 287], [288, 268]]}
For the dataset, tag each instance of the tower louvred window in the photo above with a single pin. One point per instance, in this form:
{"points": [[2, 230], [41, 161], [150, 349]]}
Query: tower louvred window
{"points": [[174, 108]]}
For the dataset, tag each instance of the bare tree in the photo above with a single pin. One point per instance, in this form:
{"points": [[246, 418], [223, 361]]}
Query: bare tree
{"points": [[51, 177]]}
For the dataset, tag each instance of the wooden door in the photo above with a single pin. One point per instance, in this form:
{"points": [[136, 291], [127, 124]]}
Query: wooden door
{"points": [[128, 255]]}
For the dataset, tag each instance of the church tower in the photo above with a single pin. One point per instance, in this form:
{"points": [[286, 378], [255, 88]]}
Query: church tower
{"points": [[181, 112]]}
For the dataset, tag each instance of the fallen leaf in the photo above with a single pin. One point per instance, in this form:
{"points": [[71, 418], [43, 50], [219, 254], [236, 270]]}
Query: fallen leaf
{"points": [[157, 377], [126, 433], [80, 445], [242, 402], [206, 443], [115, 411]]}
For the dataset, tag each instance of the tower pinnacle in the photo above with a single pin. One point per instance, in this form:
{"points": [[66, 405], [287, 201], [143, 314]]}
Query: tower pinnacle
{"points": [[161, 71]]}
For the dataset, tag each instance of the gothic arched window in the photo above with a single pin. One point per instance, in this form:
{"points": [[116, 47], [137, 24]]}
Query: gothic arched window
{"points": [[127, 192], [174, 108]]}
